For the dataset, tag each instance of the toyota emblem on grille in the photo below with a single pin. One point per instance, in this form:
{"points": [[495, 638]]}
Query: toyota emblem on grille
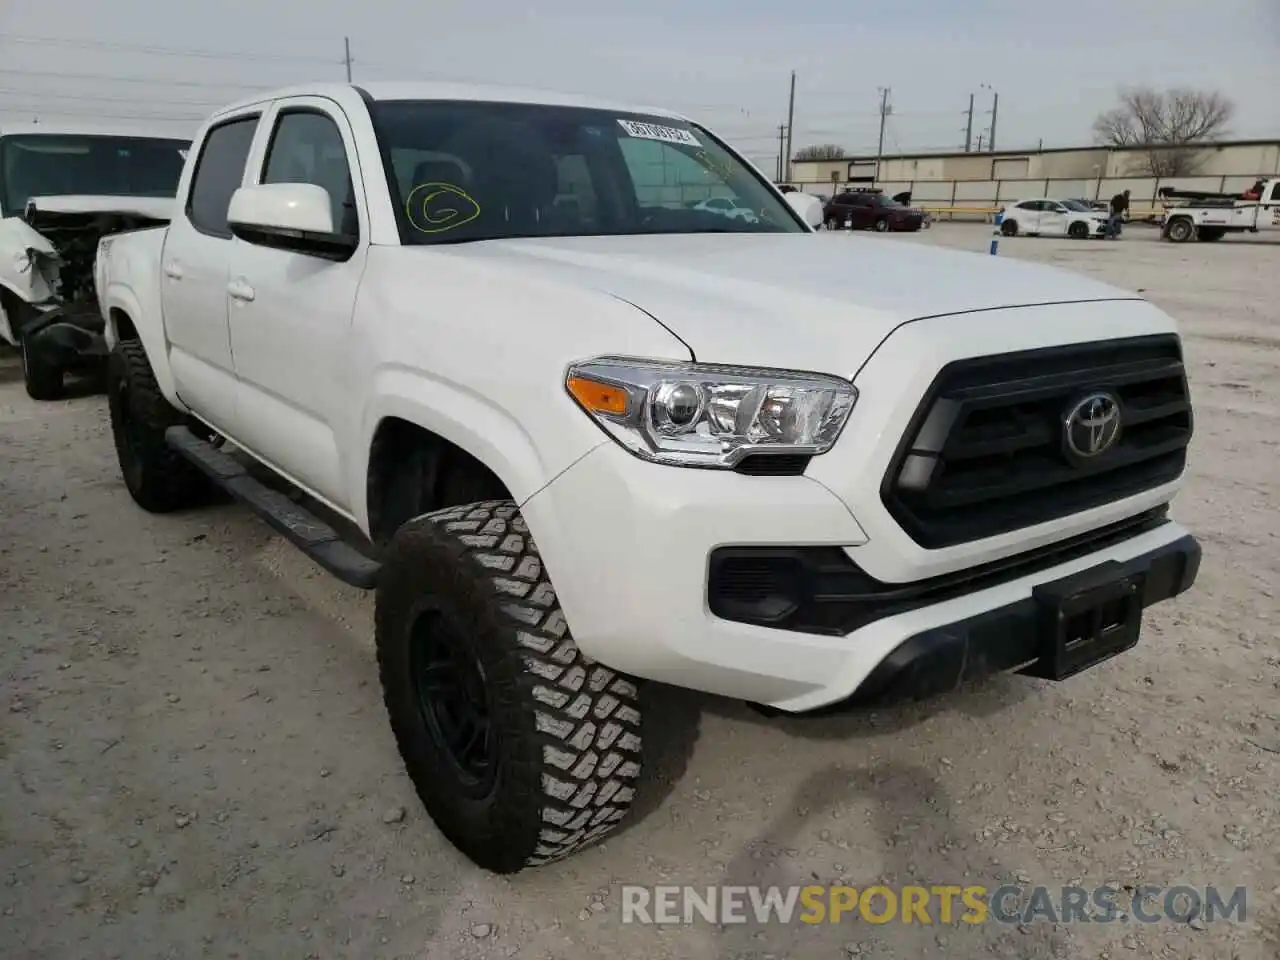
{"points": [[1092, 425]]}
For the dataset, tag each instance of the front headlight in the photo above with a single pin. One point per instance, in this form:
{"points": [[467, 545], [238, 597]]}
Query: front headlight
{"points": [[703, 415]]}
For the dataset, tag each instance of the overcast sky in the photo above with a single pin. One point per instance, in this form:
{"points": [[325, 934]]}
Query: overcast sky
{"points": [[726, 62]]}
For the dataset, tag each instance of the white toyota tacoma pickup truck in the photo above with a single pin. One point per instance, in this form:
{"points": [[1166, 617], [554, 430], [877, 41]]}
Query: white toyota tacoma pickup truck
{"points": [[592, 435]]}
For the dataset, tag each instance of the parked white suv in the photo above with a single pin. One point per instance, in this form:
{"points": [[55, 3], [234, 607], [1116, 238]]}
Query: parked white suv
{"points": [[594, 436]]}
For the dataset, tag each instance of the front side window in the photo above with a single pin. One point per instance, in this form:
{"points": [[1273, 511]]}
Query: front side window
{"points": [[219, 173], [47, 165], [480, 171], [307, 147]]}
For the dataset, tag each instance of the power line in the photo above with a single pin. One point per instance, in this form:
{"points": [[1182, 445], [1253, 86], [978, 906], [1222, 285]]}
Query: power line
{"points": [[115, 78], [9, 108], [161, 51], [10, 91], [96, 114]]}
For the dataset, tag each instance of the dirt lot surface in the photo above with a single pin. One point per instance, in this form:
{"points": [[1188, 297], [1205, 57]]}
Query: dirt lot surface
{"points": [[194, 760]]}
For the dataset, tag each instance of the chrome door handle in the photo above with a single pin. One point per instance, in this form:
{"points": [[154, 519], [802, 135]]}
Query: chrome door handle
{"points": [[172, 270], [240, 290]]}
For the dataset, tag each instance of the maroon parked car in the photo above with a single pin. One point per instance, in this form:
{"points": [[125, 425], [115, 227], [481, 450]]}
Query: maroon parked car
{"points": [[869, 211]]}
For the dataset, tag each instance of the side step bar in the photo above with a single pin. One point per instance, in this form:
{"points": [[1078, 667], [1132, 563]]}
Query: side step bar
{"points": [[304, 530]]}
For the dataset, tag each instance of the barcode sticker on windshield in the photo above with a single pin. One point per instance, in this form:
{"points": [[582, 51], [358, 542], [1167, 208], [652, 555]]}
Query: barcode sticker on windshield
{"points": [[655, 131]]}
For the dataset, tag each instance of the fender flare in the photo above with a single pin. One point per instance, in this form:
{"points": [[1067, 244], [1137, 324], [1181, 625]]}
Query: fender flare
{"points": [[466, 420]]}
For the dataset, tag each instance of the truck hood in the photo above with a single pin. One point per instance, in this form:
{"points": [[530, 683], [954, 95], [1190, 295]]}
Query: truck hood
{"points": [[146, 208], [801, 301]]}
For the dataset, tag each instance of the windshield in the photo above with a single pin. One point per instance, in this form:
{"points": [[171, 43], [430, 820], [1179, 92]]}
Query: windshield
{"points": [[44, 165], [1077, 205], [480, 171]]}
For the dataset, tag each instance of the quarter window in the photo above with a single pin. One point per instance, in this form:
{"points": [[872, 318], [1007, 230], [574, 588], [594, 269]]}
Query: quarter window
{"points": [[219, 173]]}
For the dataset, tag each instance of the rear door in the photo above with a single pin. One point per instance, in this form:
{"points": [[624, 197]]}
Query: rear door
{"points": [[194, 270], [1053, 218], [1030, 213]]}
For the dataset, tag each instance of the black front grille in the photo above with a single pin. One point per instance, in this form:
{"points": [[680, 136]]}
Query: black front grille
{"points": [[986, 451]]}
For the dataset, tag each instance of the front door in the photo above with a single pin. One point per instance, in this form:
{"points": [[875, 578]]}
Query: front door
{"points": [[290, 313], [193, 274]]}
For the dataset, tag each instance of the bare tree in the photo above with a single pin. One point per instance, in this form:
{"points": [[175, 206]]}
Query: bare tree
{"points": [[1168, 125], [821, 151]]}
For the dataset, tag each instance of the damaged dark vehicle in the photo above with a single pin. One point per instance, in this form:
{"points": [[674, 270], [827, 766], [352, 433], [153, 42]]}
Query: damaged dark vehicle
{"points": [[61, 193]]}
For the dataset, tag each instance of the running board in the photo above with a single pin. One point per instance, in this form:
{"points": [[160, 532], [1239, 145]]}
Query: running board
{"points": [[299, 526]]}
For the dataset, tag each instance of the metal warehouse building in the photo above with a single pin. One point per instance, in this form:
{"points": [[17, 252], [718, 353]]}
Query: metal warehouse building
{"points": [[977, 182]]}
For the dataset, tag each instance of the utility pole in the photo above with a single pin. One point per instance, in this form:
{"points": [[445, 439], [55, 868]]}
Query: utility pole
{"points": [[885, 110], [791, 121], [979, 143], [995, 106], [782, 150], [346, 44], [968, 127]]}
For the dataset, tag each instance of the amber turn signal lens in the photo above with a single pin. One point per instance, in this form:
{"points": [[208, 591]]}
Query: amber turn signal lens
{"points": [[598, 397]]}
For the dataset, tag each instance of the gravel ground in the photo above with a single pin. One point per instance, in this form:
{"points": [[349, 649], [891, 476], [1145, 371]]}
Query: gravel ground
{"points": [[194, 760]]}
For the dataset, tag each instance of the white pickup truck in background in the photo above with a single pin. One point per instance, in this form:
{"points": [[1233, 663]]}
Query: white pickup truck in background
{"points": [[587, 435], [61, 190]]}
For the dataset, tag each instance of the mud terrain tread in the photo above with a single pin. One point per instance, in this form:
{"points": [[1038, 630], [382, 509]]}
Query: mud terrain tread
{"points": [[569, 727], [160, 481]]}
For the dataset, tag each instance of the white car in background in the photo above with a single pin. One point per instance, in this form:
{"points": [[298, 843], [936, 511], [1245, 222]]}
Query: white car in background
{"points": [[1053, 218], [727, 208]]}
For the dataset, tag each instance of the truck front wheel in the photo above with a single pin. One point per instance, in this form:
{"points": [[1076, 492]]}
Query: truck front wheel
{"points": [[158, 478], [521, 748]]}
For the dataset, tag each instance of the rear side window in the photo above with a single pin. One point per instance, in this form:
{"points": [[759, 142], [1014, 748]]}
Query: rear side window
{"points": [[219, 173]]}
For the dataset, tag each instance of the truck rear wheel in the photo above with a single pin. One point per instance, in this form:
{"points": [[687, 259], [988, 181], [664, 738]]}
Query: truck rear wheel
{"points": [[522, 750], [158, 478], [1180, 230], [43, 380]]}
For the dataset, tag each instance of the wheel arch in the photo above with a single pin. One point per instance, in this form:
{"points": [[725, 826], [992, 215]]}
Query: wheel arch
{"points": [[127, 318], [489, 451], [412, 470]]}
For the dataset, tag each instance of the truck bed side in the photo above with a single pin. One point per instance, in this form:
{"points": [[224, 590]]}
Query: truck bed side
{"points": [[127, 276]]}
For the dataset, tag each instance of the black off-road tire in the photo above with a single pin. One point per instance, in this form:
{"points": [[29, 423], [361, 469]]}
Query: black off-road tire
{"points": [[881, 225], [43, 380], [1009, 228], [1078, 231], [564, 731], [158, 478]]}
